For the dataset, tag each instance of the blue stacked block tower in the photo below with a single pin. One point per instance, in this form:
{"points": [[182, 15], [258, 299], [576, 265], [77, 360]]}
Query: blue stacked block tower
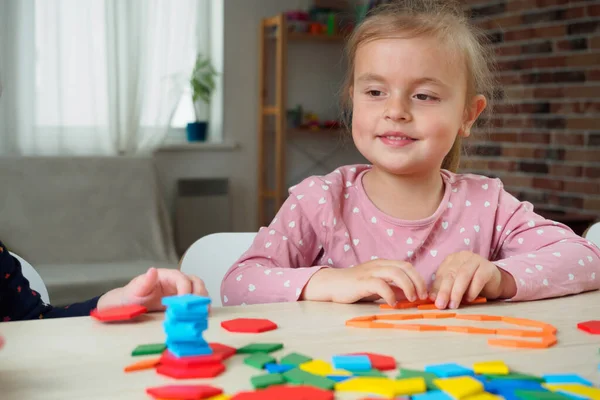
{"points": [[186, 319]]}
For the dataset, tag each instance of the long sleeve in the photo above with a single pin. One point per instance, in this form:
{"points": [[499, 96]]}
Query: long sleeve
{"points": [[547, 259], [19, 302], [281, 259]]}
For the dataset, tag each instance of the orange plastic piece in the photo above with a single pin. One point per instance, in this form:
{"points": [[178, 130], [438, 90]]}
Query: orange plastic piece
{"points": [[478, 300], [142, 365], [432, 327], [523, 322], [524, 344], [471, 329], [521, 333], [359, 324], [381, 325], [408, 327], [365, 318], [427, 307], [479, 317], [399, 317], [438, 315]]}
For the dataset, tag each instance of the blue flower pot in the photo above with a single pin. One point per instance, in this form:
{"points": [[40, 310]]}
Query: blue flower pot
{"points": [[196, 131]]}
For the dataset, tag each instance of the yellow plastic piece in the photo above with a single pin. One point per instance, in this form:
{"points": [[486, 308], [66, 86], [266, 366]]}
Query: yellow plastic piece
{"points": [[460, 387], [410, 386], [484, 396], [588, 392], [491, 367], [340, 372], [317, 367], [383, 386], [220, 397]]}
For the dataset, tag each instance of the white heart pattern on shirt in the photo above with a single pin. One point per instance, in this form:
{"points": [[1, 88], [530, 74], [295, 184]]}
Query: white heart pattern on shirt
{"points": [[284, 238], [348, 184], [468, 203], [374, 220], [390, 232], [267, 271], [322, 200], [571, 277], [268, 244], [557, 254], [433, 253], [298, 291], [498, 228], [486, 204], [292, 224], [409, 253], [454, 190], [449, 205], [445, 225], [286, 283], [593, 275], [272, 232], [522, 282], [239, 277], [356, 242], [334, 221], [484, 187], [520, 240], [561, 231], [353, 169], [374, 257], [346, 195], [589, 258], [476, 227], [311, 184], [529, 270], [580, 262], [539, 267], [355, 210], [251, 287], [225, 299], [409, 241], [530, 255], [531, 224], [279, 273], [462, 230], [329, 261], [539, 231], [325, 187], [467, 241], [545, 282], [300, 196], [292, 206], [300, 242], [346, 247]]}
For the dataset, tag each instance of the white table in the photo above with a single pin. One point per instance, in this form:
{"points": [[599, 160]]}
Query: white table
{"points": [[80, 358]]}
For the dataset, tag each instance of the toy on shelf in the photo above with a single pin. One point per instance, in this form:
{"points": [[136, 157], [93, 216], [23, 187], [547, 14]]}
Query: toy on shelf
{"points": [[299, 119]]}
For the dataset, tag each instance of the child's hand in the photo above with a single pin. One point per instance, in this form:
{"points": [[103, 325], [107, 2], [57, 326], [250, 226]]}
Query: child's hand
{"points": [[469, 275], [370, 281], [149, 289]]}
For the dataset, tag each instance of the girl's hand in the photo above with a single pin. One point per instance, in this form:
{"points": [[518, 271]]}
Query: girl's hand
{"points": [[149, 289], [373, 280], [468, 275]]}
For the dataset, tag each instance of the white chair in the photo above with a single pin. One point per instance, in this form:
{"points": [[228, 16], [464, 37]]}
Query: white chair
{"points": [[593, 234], [212, 255], [35, 280]]}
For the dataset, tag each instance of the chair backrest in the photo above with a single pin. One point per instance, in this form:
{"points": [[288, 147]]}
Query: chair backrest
{"points": [[593, 234], [211, 256], [35, 280]]}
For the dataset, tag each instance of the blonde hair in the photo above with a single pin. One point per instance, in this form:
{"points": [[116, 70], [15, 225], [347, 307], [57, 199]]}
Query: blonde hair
{"points": [[442, 19]]}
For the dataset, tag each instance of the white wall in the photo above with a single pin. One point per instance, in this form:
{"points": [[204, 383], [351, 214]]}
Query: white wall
{"points": [[242, 19]]}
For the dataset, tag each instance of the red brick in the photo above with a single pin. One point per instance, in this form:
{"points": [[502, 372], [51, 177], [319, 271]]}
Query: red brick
{"points": [[518, 93], [582, 91], [504, 137], [582, 123], [518, 152], [568, 139], [549, 62], [592, 172], [593, 10], [520, 5], [576, 107], [517, 180], [474, 164], [547, 3], [543, 138], [510, 79], [504, 22], [595, 42], [582, 187], [502, 165], [581, 155], [593, 75], [592, 203], [566, 170], [552, 92], [583, 60], [566, 201], [546, 183], [572, 44], [537, 32], [511, 51]]}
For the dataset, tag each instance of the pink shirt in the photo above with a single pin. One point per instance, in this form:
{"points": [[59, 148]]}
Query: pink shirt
{"points": [[328, 221]]}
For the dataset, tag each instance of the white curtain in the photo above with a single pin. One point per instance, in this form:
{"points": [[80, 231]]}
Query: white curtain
{"points": [[93, 76]]}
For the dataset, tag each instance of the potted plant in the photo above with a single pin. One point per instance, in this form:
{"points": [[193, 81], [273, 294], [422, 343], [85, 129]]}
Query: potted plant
{"points": [[202, 83]]}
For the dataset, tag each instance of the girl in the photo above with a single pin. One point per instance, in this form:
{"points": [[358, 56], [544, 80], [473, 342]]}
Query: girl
{"points": [[408, 226], [19, 302]]}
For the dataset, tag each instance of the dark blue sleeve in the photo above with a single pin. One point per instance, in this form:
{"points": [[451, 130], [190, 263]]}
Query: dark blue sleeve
{"points": [[19, 302]]}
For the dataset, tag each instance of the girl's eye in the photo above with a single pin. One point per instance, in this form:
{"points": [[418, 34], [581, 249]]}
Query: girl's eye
{"points": [[425, 97], [374, 93]]}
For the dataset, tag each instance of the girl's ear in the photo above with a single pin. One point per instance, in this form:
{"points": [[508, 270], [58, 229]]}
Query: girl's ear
{"points": [[351, 92], [472, 112]]}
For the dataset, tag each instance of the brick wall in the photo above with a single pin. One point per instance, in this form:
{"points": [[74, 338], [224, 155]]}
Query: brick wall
{"points": [[545, 140]]}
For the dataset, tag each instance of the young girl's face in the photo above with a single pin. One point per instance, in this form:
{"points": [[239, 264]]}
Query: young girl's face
{"points": [[408, 103]]}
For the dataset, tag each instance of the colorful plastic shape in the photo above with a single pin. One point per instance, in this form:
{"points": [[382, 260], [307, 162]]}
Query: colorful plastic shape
{"points": [[248, 325], [184, 392], [115, 314]]}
